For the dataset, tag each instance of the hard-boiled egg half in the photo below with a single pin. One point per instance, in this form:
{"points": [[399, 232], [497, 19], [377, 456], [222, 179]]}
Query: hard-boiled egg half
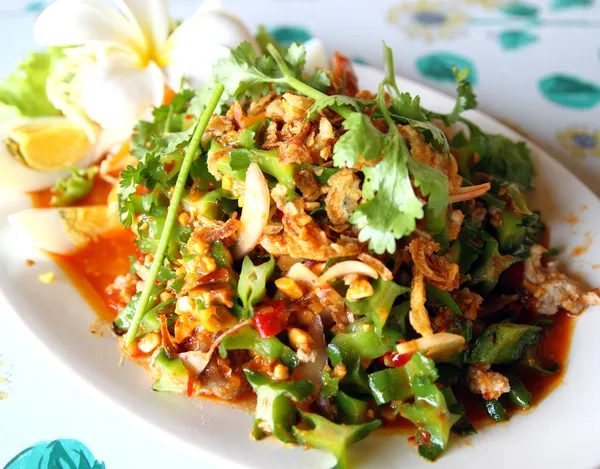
{"points": [[36, 152], [61, 230]]}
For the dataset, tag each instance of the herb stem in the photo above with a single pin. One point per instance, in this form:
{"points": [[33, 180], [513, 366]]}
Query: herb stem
{"points": [[300, 86], [168, 120], [385, 111], [390, 75], [159, 256]]}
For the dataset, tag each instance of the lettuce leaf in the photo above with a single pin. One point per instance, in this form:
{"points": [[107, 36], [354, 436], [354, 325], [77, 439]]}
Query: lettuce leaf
{"points": [[23, 93]]}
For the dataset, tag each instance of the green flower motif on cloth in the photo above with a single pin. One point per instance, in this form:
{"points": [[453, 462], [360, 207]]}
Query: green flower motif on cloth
{"points": [[55, 454], [35, 7], [287, 35], [359, 60], [563, 4], [580, 142], [427, 20], [437, 66], [520, 9], [516, 39], [570, 91]]}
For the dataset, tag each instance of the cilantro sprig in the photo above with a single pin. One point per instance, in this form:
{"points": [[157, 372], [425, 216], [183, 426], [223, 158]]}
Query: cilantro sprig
{"points": [[172, 213], [392, 208]]}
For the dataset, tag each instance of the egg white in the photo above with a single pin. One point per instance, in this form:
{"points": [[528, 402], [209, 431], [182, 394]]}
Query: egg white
{"points": [[62, 230]]}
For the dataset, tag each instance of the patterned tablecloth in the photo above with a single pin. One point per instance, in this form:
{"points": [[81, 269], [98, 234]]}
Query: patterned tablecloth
{"points": [[535, 66]]}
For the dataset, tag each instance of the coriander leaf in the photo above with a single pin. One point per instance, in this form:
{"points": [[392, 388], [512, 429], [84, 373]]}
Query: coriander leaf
{"points": [[408, 107], [131, 178], [23, 93], [335, 100], [295, 56], [433, 183], [73, 187], [407, 110], [164, 131], [392, 207], [431, 131], [170, 142], [361, 142], [508, 161], [242, 73], [318, 80], [465, 98]]}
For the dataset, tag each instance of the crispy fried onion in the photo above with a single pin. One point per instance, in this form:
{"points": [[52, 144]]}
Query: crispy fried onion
{"points": [[302, 237], [440, 346], [344, 268], [463, 194], [468, 302], [437, 270], [418, 316], [165, 336], [218, 229], [455, 223], [377, 265], [197, 361], [343, 196]]}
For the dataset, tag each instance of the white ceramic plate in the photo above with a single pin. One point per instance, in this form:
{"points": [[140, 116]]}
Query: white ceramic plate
{"points": [[561, 432]]}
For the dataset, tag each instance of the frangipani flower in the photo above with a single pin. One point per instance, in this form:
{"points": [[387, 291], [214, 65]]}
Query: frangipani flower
{"points": [[138, 52]]}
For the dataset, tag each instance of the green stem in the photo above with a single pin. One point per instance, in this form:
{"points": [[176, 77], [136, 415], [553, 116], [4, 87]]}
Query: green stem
{"points": [[168, 120], [300, 86], [384, 110], [390, 78], [159, 257]]}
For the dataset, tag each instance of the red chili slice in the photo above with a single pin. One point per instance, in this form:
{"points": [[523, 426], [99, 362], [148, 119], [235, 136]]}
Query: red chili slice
{"points": [[270, 319]]}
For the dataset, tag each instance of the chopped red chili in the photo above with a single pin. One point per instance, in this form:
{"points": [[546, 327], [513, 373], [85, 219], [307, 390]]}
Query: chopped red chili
{"points": [[270, 319]]}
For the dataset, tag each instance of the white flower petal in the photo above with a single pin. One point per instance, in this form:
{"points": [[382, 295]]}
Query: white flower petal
{"points": [[117, 92], [75, 22], [207, 36], [213, 25], [197, 71], [315, 55], [152, 18]]}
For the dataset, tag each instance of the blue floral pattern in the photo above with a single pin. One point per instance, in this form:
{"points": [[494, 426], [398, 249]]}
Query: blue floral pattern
{"points": [[57, 454]]}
